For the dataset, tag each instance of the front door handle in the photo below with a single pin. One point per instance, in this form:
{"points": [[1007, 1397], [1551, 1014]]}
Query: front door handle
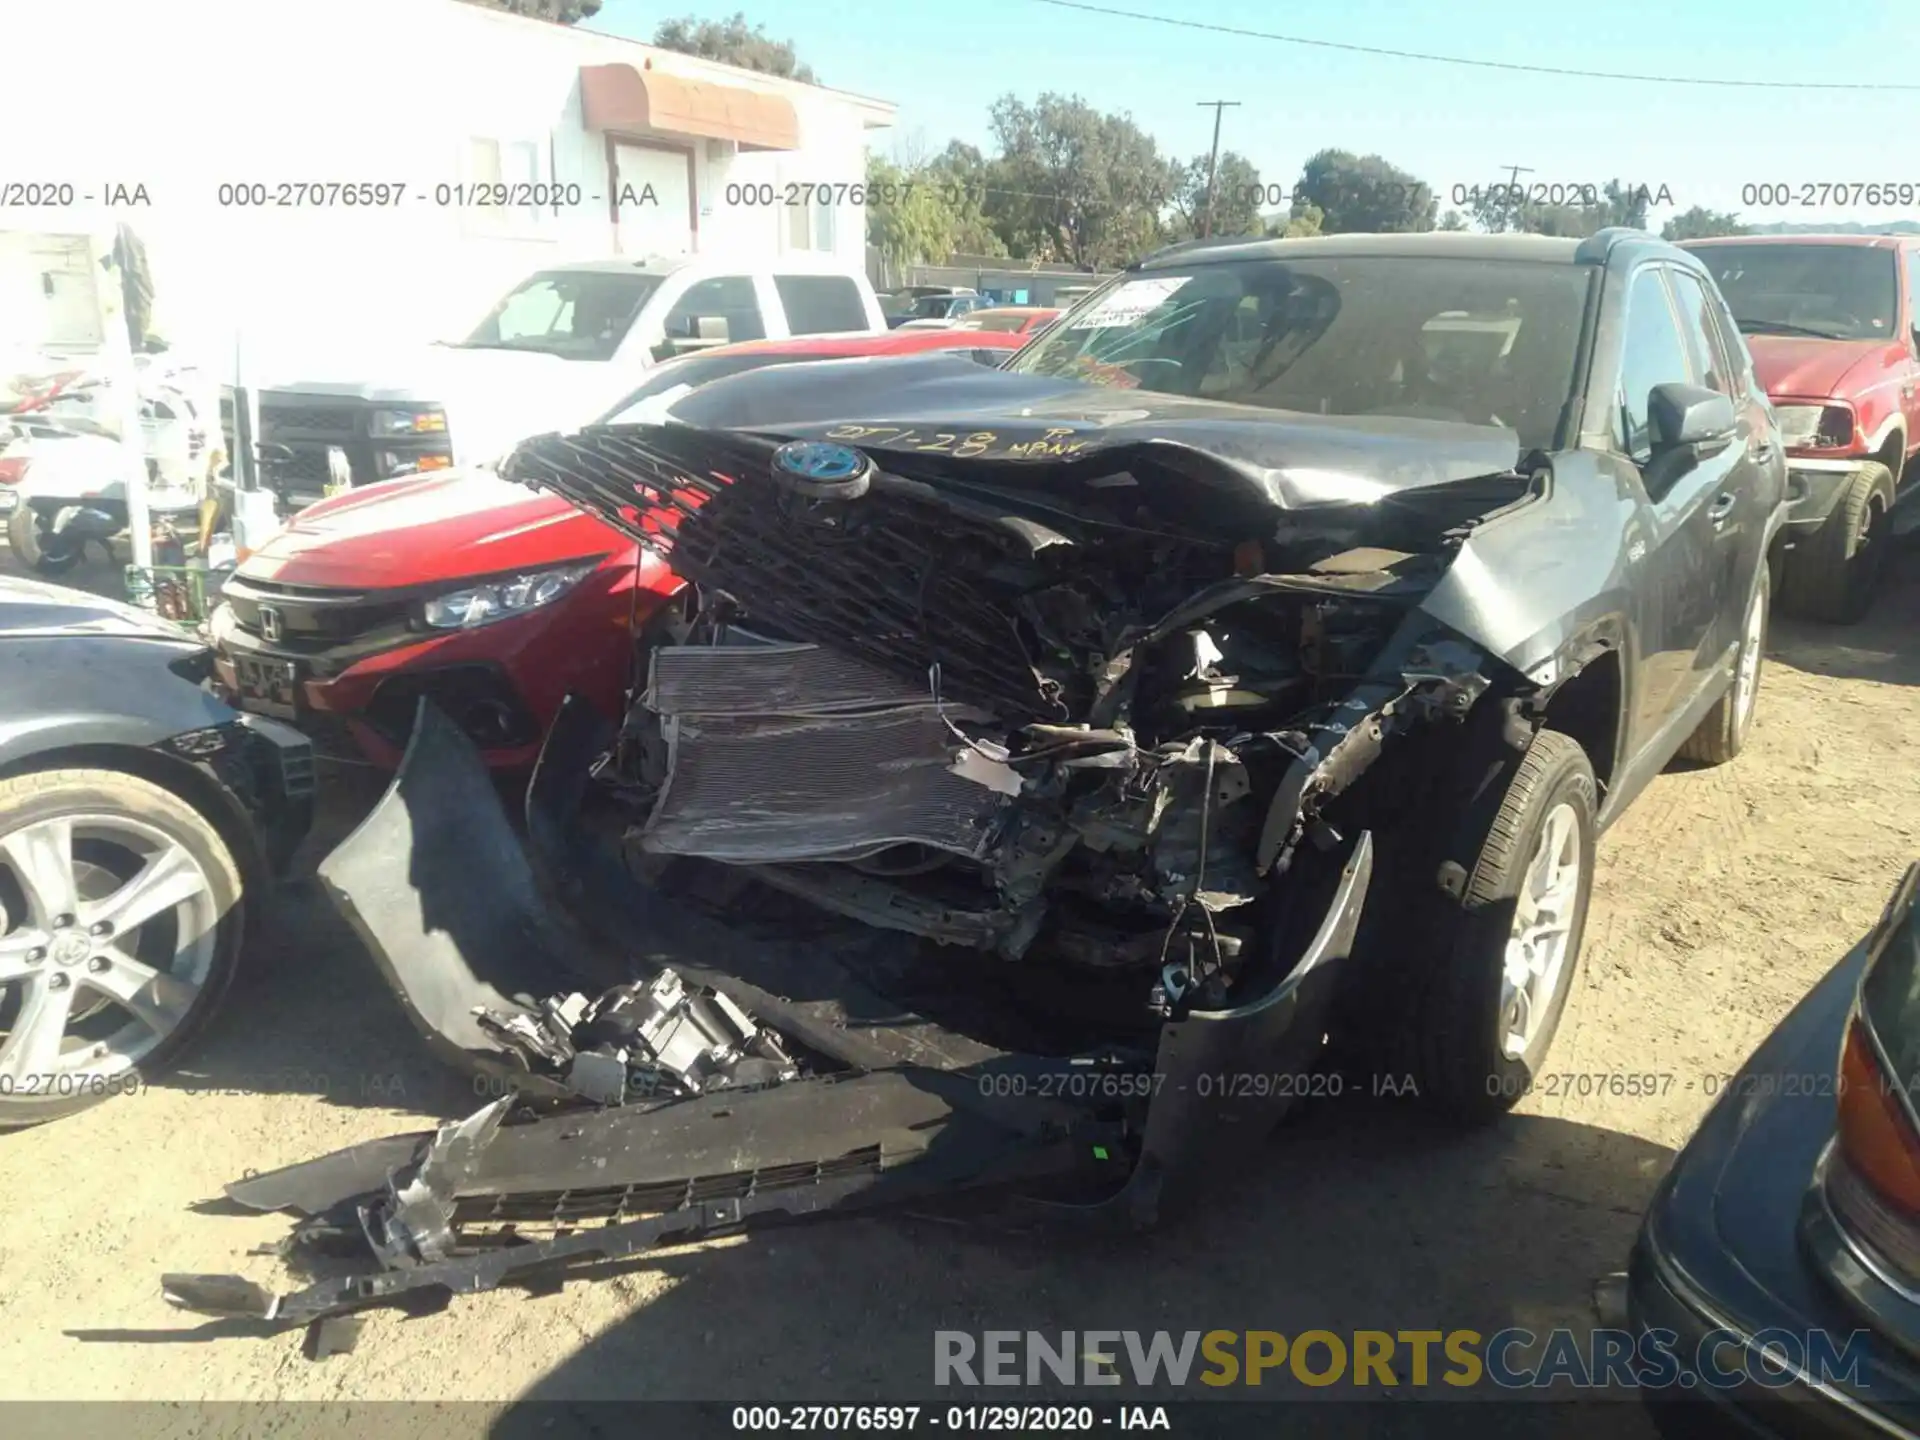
{"points": [[1722, 507], [1763, 452]]}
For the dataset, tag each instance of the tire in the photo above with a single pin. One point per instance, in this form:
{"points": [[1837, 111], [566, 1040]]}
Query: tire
{"points": [[119, 825], [1723, 733], [1834, 574], [23, 538], [1453, 1024]]}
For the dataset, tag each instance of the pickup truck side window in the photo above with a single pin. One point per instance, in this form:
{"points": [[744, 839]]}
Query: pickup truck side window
{"points": [[821, 304], [1653, 354], [1710, 360], [1913, 289], [729, 298]]}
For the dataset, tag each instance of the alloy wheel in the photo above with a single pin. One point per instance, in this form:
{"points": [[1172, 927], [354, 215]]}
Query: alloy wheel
{"points": [[108, 928], [1537, 946], [1746, 679]]}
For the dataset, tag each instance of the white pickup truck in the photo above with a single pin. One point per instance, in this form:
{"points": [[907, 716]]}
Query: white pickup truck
{"points": [[555, 351]]}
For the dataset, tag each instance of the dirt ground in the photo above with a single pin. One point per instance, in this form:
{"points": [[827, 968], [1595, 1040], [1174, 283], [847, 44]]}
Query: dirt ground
{"points": [[1721, 897]]}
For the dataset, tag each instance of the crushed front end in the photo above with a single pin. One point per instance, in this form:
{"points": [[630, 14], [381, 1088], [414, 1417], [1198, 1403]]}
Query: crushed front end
{"points": [[984, 820]]}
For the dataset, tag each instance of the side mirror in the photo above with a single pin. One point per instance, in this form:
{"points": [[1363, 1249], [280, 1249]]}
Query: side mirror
{"points": [[1690, 418], [703, 332]]}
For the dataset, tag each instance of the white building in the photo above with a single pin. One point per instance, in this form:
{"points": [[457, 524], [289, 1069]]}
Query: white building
{"points": [[246, 123]]}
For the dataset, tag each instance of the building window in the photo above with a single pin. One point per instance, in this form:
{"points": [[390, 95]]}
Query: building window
{"points": [[800, 227], [809, 225], [496, 172]]}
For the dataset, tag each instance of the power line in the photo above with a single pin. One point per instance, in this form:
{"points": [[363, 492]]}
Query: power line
{"points": [[1184, 24]]}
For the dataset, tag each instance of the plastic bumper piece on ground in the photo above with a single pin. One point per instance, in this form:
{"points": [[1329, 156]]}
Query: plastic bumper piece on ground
{"points": [[437, 886]]}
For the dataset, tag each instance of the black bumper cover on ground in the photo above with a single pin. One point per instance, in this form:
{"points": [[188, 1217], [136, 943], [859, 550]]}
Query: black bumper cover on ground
{"points": [[438, 887]]}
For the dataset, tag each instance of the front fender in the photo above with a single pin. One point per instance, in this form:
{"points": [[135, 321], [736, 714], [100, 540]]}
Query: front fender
{"points": [[66, 691]]}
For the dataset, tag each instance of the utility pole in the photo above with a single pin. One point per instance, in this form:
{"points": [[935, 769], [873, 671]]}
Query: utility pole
{"points": [[1219, 107], [1514, 172]]}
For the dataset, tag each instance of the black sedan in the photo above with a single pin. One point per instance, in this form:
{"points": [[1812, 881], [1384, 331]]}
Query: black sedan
{"points": [[1779, 1264], [139, 820]]}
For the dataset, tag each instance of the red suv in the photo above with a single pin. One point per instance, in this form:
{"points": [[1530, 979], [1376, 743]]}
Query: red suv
{"points": [[1833, 327], [494, 600]]}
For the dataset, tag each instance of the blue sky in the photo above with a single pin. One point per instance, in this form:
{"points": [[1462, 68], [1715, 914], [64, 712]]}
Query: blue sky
{"points": [[944, 62]]}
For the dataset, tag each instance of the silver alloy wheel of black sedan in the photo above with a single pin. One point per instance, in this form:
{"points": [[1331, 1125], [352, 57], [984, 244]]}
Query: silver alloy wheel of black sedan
{"points": [[118, 919]]}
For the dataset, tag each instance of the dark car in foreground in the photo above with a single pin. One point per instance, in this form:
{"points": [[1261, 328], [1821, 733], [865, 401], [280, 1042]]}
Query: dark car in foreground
{"points": [[1790, 1223], [141, 821], [1044, 761]]}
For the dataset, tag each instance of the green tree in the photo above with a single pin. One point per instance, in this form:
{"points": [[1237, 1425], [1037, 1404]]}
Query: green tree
{"points": [[964, 179], [1363, 193], [1625, 204], [1700, 223], [1236, 196], [923, 214], [1618, 202], [1452, 220], [907, 222], [1074, 184], [1302, 224], [731, 42], [561, 12]]}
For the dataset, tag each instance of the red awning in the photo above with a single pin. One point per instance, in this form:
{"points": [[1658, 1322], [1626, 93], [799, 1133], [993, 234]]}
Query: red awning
{"points": [[620, 98]]}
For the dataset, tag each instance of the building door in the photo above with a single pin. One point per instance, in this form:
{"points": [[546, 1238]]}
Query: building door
{"points": [[653, 200]]}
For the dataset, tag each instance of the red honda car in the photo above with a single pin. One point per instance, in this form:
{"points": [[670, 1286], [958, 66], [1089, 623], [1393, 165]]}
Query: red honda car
{"points": [[494, 600]]}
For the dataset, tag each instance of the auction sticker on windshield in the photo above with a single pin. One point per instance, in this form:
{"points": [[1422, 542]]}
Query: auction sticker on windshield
{"points": [[1129, 303]]}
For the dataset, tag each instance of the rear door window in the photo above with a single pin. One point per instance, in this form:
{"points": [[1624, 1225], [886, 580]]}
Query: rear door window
{"points": [[821, 304], [1704, 345]]}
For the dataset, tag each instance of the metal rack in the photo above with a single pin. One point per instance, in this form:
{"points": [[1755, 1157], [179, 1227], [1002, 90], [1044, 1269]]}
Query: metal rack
{"points": [[173, 592]]}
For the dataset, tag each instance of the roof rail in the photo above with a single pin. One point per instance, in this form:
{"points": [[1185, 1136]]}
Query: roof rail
{"points": [[1596, 247], [1207, 242]]}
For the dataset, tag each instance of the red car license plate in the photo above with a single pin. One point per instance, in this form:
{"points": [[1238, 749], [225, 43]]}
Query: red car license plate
{"points": [[269, 687]]}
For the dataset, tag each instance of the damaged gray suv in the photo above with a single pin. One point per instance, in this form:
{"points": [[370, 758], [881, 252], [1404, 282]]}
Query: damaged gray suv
{"points": [[1050, 771]]}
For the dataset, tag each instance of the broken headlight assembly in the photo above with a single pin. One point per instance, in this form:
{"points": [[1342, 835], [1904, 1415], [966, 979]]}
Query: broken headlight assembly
{"points": [[1815, 427], [496, 600]]}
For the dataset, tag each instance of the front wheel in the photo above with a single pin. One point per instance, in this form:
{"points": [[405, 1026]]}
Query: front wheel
{"points": [[36, 547], [1834, 574], [1493, 969], [120, 926]]}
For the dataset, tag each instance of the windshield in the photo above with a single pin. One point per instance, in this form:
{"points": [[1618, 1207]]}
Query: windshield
{"points": [[1488, 342], [934, 307], [575, 314], [1828, 292]]}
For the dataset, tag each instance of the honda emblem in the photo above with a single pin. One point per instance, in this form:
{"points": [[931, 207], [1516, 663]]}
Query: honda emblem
{"points": [[270, 624]]}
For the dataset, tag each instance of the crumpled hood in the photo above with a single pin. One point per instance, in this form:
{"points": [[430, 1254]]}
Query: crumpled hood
{"points": [[428, 529], [944, 405], [1800, 366], [35, 608]]}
